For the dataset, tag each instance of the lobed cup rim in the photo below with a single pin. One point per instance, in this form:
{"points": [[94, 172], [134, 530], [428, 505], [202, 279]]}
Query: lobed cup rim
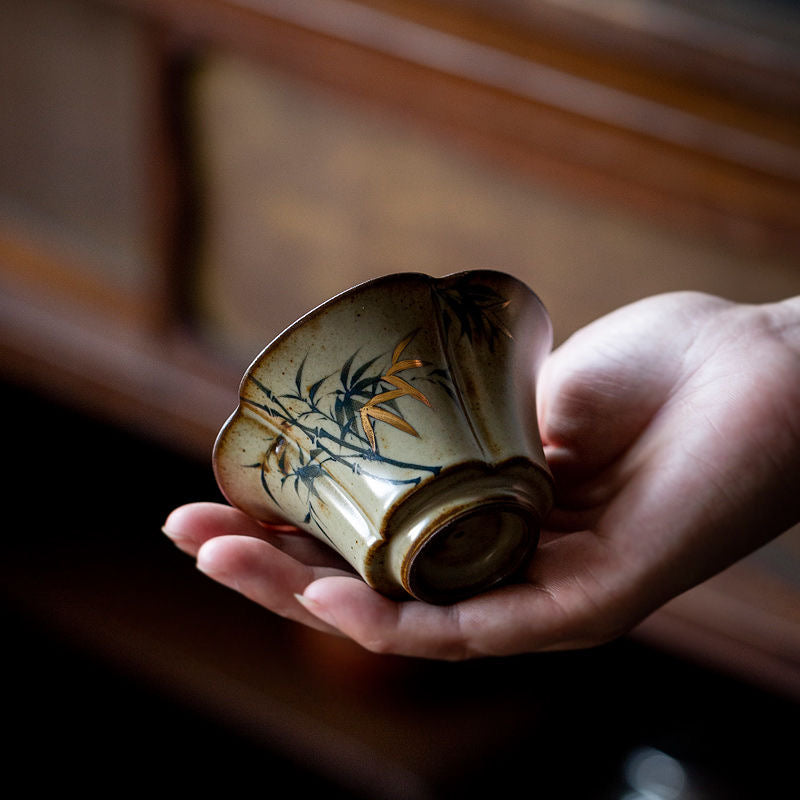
{"points": [[394, 277]]}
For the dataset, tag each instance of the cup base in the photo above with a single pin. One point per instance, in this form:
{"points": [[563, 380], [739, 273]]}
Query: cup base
{"points": [[467, 532], [471, 552]]}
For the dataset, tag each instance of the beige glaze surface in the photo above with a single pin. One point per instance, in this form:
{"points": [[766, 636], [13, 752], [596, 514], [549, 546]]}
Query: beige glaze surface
{"points": [[393, 413]]}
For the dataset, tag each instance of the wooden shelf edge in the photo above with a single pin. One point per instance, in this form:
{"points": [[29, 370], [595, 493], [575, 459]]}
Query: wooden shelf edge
{"points": [[117, 370]]}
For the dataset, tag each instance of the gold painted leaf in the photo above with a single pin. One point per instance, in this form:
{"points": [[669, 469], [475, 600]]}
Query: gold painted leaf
{"points": [[401, 365], [395, 420], [372, 408], [401, 346], [384, 397], [407, 388]]}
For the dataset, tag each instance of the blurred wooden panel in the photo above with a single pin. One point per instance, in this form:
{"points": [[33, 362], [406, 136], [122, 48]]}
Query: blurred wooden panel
{"points": [[306, 194], [735, 48], [538, 100], [72, 148]]}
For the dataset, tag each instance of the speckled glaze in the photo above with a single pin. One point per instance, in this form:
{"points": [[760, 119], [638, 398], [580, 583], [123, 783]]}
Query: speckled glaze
{"points": [[396, 422]]}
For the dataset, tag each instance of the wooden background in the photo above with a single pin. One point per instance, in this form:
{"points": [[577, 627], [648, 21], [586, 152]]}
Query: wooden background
{"points": [[181, 179]]}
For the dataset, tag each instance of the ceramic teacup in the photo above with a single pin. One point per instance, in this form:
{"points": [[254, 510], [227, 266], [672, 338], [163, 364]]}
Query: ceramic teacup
{"points": [[396, 422]]}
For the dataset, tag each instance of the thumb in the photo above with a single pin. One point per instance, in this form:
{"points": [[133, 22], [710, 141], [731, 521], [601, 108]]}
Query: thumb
{"points": [[599, 390]]}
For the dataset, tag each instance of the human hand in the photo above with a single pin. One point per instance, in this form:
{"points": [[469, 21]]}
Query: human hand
{"points": [[672, 427]]}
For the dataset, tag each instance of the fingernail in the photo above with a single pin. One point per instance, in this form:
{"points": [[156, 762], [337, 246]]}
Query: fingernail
{"points": [[167, 532], [170, 534], [317, 609], [176, 539]]}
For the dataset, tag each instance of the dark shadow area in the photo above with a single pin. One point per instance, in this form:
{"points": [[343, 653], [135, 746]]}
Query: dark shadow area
{"points": [[81, 720], [76, 720]]}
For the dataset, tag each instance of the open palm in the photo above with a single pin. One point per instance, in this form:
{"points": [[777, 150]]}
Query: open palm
{"points": [[672, 428]]}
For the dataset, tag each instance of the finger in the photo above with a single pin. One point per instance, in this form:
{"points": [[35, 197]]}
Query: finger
{"points": [[513, 619], [382, 625], [305, 548], [589, 417], [554, 610], [263, 574], [601, 387], [192, 525], [580, 495], [465, 630]]}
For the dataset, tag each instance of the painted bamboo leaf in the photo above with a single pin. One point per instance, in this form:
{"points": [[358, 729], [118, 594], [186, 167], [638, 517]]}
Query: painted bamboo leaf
{"points": [[476, 308], [321, 422], [371, 410]]}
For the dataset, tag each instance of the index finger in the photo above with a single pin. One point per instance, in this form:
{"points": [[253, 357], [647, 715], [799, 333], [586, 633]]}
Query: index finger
{"points": [[194, 524]]}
